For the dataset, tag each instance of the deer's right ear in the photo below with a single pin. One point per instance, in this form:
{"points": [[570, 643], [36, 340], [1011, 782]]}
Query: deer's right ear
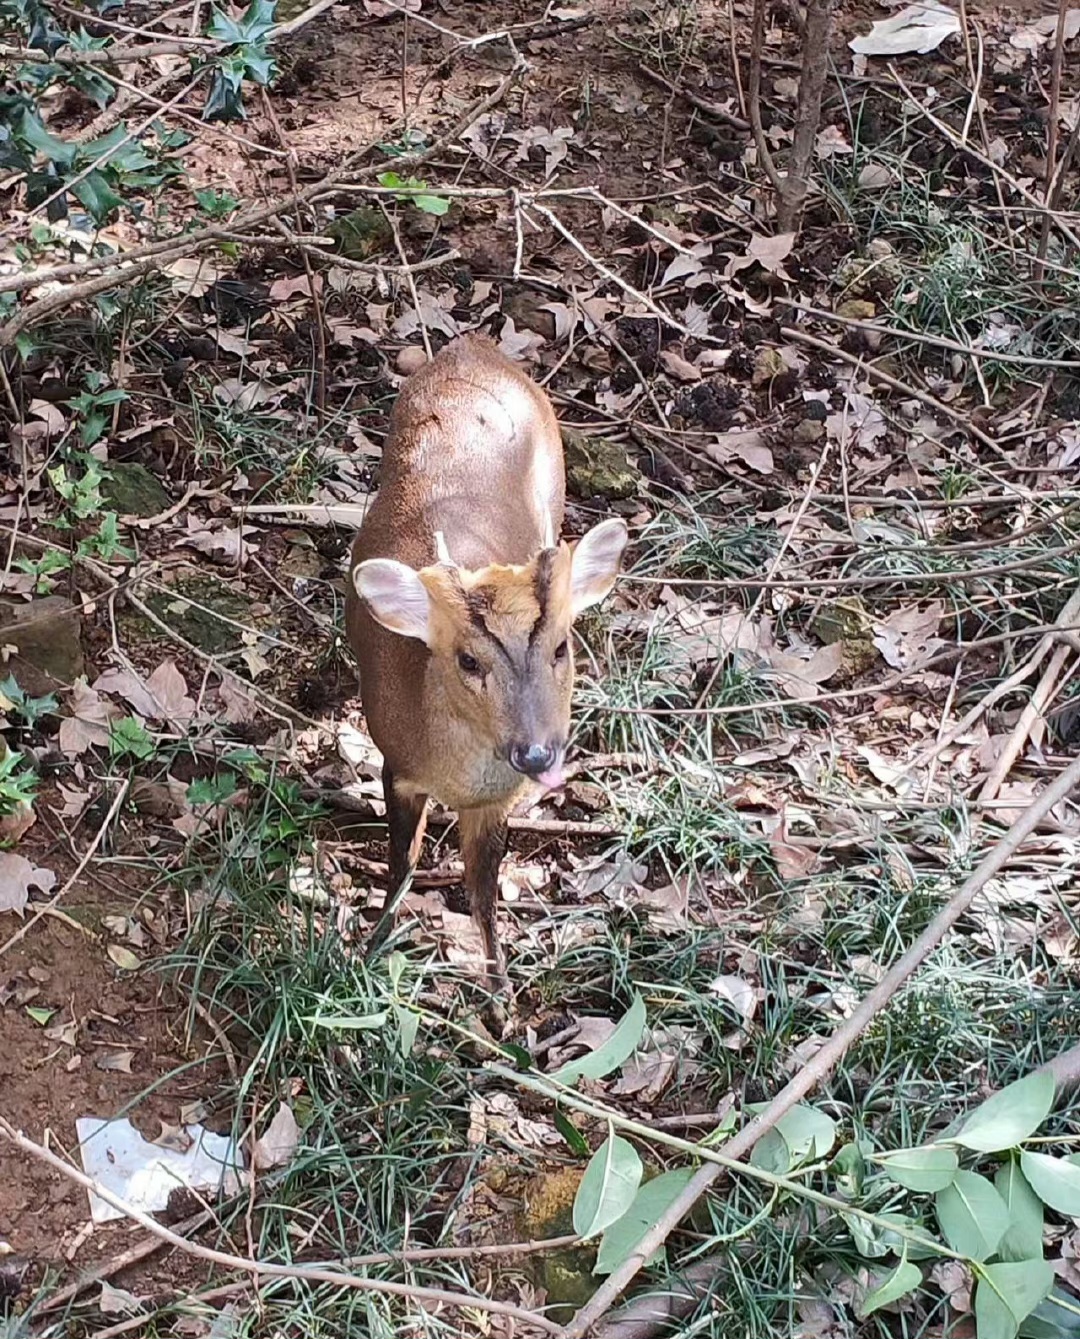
{"points": [[395, 597]]}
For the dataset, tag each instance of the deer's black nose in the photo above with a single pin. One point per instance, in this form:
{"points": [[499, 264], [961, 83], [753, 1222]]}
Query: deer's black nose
{"points": [[532, 759]]}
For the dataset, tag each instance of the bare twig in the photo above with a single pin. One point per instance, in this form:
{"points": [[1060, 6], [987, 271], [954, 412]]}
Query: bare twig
{"points": [[955, 415], [764, 153], [936, 341], [829, 1055], [338, 1277]]}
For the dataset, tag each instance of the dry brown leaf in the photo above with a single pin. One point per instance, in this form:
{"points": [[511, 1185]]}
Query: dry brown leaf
{"points": [[906, 638], [168, 689], [676, 366], [128, 685], [745, 444], [228, 545], [116, 1062], [800, 678], [88, 725], [276, 1146], [238, 706], [792, 862], [17, 876]]}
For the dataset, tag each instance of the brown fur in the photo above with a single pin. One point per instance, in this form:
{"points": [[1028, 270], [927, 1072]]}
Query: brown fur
{"points": [[473, 451]]}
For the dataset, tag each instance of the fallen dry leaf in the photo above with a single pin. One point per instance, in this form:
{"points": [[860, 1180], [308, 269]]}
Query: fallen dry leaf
{"points": [[238, 707], [17, 876], [277, 1144], [745, 444], [88, 725], [115, 1062]]}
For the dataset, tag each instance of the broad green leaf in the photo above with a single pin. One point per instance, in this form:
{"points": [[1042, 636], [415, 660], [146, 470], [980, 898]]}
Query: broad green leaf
{"points": [[924, 1170], [97, 195], [39, 1015], [608, 1187], [802, 1134], [1007, 1293], [395, 963], [849, 1166], [620, 1046], [1050, 1320], [1024, 1239], [652, 1200], [972, 1215], [873, 1240], [905, 1278], [1010, 1116], [1056, 1181], [408, 1021]]}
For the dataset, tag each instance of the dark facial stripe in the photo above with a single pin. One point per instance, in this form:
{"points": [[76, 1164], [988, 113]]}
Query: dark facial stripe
{"points": [[545, 564]]}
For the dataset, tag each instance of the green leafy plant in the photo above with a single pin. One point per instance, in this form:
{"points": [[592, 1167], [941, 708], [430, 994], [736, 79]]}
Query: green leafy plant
{"points": [[44, 568], [994, 1226], [130, 739], [80, 494], [18, 784], [30, 709], [91, 406], [216, 204], [416, 191], [105, 542], [247, 58]]}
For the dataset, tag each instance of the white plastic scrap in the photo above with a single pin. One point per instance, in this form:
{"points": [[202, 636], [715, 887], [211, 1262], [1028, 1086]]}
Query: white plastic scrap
{"points": [[919, 28], [118, 1158]]}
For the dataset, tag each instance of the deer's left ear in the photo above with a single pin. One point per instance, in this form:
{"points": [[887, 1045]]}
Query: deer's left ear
{"points": [[595, 563]]}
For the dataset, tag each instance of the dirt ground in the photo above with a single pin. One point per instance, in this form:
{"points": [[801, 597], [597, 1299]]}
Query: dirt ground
{"points": [[116, 1041]]}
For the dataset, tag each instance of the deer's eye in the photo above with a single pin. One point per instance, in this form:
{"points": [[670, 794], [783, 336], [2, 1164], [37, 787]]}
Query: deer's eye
{"points": [[468, 664], [562, 650]]}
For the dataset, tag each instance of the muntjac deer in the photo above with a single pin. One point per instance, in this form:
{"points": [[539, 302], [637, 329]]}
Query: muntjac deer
{"points": [[460, 608]]}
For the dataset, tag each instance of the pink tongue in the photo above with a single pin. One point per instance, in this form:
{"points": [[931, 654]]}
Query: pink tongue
{"points": [[553, 778]]}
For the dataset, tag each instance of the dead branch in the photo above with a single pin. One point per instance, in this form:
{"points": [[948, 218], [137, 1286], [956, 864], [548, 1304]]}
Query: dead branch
{"points": [[815, 64], [957, 416], [830, 1054], [712, 109], [337, 1276]]}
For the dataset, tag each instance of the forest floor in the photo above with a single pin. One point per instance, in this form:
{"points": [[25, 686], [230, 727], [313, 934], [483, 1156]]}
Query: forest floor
{"points": [[841, 663]]}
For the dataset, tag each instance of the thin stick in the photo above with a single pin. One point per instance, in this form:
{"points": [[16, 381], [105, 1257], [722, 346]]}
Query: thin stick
{"points": [[937, 341], [1069, 613], [957, 416], [132, 1256], [1034, 708], [88, 855], [268, 1269], [829, 1055]]}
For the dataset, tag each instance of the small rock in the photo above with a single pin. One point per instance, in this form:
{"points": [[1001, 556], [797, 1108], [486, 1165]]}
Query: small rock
{"points": [[596, 467], [411, 359], [130, 489], [857, 309], [525, 306], [46, 636], [200, 626], [807, 431], [362, 234]]}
